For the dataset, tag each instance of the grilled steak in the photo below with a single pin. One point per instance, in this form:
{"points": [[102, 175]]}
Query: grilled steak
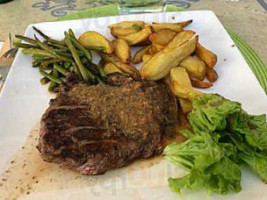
{"points": [[93, 129]]}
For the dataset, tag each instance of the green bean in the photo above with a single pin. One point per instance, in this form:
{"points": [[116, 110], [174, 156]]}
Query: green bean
{"points": [[38, 52], [81, 54], [55, 72], [67, 65], [23, 45], [44, 46], [26, 39], [98, 79], [72, 68], [36, 63], [44, 80], [40, 58], [84, 61], [100, 66], [49, 61], [60, 69], [76, 71], [40, 32], [86, 75], [93, 68], [61, 53], [102, 72], [51, 77], [47, 38], [80, 47], [50, 50], [71, 33], [59, 46], [53, 87], [102, 62]]}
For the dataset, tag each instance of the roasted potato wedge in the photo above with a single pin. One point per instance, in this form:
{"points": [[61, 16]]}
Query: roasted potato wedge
{"points": [[153, 50], [195, 67], [92, 39], [209, 58], [117, 31], [110, 68], [185, 23], [122, 66], [162, 37], [139, 54], [180, 75], [162, 62], [211, 74], [157, 47], [146, 42], [146, 57], [122, 50], [184, 92], [172, 26], [139, 37], [179, 39], [186, 105], [181, 84], [200, 84], [129, 24]]}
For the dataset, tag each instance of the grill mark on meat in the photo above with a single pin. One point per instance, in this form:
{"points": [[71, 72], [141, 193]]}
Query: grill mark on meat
{"points": [[96, 128]]}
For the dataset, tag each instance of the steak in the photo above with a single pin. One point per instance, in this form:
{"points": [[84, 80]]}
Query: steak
{"points": [[93, 129]]}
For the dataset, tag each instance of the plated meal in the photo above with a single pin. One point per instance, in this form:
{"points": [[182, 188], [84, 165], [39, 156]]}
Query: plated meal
{"points": [[108, 113]]}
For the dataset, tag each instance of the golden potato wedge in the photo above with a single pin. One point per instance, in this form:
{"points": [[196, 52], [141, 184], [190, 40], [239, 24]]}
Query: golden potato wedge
{"points": [[139, 37], [128, 24], [118, 31], [146, 42], [157, 47], [211, 74], [183, 23], [186, 105], [180, 38], [146, 57], [122, 66], [122, 50], [186, 23], [110, 68], [162, 37], [162, 62], [152, 50], [209, 58], [181, 84], [94, 39], [200, 84], [180, 75], [138, 55], [195, 67], [184, 92], [172, 26]]}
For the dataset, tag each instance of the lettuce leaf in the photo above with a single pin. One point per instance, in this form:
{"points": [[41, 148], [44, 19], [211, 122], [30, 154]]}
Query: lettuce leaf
{"points": [[258, 163], [209, 113], [223, 136], [253, 127]]}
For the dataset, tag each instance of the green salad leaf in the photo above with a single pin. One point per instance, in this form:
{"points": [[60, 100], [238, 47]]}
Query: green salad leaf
{"points": [[223, 136]]}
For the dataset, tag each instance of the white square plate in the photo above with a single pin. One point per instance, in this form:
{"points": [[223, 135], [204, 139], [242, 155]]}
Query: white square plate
{"points": [[23, 100]]}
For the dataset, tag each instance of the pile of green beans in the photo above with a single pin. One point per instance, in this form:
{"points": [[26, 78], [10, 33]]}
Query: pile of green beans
{"points": [[56, 59]]}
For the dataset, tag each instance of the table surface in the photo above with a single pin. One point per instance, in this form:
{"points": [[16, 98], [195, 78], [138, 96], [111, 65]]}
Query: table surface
{"points": [[246, 17]]}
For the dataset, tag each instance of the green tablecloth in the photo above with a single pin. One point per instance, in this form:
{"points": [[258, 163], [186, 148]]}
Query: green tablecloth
{"points": [[254, 61]]}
